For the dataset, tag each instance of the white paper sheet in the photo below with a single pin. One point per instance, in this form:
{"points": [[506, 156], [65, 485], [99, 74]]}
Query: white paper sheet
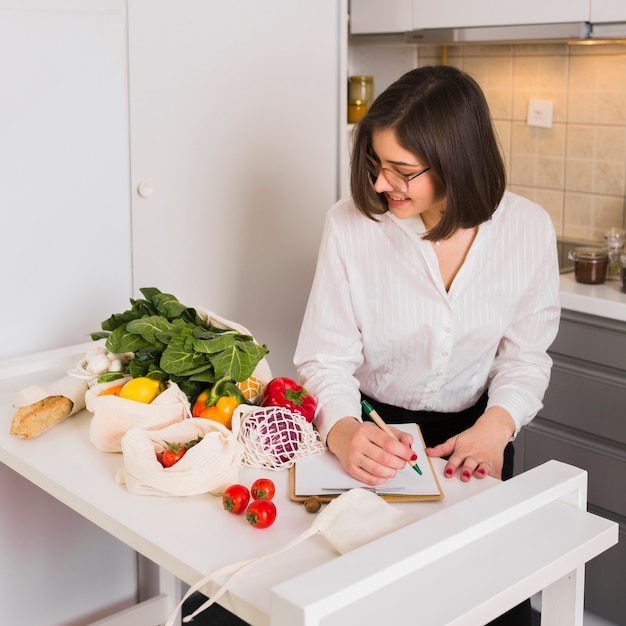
{"points": [[323, 475]]}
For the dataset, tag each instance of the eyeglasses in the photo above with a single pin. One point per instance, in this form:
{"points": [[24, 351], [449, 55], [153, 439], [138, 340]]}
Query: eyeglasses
{"points": [[400, 182]]}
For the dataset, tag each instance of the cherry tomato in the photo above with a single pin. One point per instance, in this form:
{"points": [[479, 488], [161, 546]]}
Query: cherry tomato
{"points": [[262, 489], [261, 513], [173, 454], [235, 499]]}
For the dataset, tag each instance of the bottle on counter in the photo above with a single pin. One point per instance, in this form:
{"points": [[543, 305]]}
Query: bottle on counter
{"points": [[590, 264], [615, 238], [622, 262]]}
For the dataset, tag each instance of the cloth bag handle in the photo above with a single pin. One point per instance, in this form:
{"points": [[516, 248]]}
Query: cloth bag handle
{"points": [[236, 570]]}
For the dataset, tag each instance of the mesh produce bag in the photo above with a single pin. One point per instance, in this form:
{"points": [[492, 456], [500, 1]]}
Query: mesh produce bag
{"points": [[274, 437]]}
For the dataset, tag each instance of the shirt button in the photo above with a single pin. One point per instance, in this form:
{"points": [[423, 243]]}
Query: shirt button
{"points": [[446, 329], [428, 407], [444, 353], [439, 373]]}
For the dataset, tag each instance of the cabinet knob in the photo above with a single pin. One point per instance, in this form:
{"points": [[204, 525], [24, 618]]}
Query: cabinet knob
{"points": [[145, 188]]}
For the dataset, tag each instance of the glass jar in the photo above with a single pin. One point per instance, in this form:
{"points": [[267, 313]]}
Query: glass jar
{"points": [[615, 238], [361, 88], [590, 264], [356, 110], [622, 262]]}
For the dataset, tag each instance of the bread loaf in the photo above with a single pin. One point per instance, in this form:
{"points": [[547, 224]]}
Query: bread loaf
{"points": [[30, 421]]}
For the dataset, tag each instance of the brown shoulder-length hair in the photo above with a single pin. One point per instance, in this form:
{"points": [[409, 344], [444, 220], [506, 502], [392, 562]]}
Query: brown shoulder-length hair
{"points": [[440, 115]]}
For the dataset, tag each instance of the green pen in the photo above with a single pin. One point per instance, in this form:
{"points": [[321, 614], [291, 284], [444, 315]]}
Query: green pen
{"points": [[378, 420]]}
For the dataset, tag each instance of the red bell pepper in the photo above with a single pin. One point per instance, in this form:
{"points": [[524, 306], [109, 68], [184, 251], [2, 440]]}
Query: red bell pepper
{"points": [[288, 394]]}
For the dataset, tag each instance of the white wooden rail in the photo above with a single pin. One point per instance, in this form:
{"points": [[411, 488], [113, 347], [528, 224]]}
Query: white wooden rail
{"points": [[464, 565]]}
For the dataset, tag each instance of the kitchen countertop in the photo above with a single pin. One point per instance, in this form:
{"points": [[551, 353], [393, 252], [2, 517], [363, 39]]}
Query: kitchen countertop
{"points": [[603, 300]]}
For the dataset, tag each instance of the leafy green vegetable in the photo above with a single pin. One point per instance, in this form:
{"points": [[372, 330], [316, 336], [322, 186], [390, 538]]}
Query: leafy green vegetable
{"points": [[170, 341]]}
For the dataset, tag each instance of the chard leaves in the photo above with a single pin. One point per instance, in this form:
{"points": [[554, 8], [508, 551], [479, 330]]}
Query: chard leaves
{"points": [[170, 341], [241, 357]]}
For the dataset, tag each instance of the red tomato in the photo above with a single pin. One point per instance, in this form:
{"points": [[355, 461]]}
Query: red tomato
{"points": [[261, 513], [262, 489], [235, 499], [173, 455]]}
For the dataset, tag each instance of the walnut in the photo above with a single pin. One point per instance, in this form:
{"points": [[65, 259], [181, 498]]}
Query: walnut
{"points": [[313, 504]]}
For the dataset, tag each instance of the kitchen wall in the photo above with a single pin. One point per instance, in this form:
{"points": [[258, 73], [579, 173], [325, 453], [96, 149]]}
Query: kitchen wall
{"points": [[577, 168], [64, 261]]}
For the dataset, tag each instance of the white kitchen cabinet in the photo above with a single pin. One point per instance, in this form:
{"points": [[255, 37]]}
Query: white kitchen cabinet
{"points": [[234, 125], [462, 14], [604, 11], [234, 154], [400, 16], [373, 16]]}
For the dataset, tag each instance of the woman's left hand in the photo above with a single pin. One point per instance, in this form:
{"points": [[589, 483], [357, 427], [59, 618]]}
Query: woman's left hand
{"points": [[479, 450]]}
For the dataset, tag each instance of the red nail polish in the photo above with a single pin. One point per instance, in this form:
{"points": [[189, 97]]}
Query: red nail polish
{"points": [[480, 471], [414, 457], [449, 472], [466, 474]]}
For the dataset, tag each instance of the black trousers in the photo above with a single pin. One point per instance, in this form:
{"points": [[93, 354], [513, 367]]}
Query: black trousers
{"points": [[437, 428]]}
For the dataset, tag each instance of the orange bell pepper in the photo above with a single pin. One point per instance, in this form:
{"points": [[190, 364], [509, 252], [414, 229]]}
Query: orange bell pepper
{"points": [[221, 411]]}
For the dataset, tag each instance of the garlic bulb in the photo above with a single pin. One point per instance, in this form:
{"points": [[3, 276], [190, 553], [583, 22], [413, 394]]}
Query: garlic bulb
{"points": [[98, 364], [99, 360]]}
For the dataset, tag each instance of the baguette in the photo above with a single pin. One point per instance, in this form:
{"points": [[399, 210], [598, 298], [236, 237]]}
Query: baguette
{"points": [[30, 421]]}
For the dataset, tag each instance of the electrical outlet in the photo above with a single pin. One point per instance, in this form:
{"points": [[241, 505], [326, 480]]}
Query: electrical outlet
{"points": [[540, 113]]}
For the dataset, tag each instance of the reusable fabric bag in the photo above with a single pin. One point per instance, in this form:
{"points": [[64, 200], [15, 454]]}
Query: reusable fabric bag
{"points": [[113, 416], [210, 465], [262, 370], [68, 387], [340, 522]]}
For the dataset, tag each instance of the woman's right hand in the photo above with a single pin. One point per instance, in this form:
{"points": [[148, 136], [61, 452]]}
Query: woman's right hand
{"points": [[367, 453]]}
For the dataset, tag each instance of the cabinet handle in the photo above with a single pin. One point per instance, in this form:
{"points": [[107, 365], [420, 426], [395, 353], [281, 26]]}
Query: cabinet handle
{"points": [[145, 188]]}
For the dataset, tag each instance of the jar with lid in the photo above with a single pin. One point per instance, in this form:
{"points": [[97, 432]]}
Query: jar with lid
{"points": [[590, 264], [361, 88], [615, 238]]}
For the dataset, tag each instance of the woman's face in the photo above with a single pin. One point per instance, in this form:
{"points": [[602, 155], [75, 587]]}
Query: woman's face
{"points": [[424, 195]]}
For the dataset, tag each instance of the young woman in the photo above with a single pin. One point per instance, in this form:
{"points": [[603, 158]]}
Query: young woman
{"points": [[436, 294], [436, 291]]}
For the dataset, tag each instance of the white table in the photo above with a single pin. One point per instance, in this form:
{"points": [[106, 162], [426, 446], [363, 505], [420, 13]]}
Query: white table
{"points": [[447, 562]]}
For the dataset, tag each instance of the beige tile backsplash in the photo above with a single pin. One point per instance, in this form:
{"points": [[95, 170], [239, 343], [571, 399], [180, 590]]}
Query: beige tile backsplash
{"points": [[577, 168]]}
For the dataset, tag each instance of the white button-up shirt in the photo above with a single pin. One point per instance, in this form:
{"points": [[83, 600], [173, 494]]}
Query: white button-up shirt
{"points": [[379, 318]]}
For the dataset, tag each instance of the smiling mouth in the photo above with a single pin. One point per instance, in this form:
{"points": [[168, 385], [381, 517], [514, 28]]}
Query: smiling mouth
{"points": [[394, 199]]}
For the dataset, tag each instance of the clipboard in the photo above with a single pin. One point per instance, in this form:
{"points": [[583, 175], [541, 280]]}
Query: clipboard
{"points": [[324, 477]]}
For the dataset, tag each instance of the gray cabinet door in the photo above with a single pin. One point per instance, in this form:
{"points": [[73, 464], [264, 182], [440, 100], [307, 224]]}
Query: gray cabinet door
{"points": [[583, 423]]}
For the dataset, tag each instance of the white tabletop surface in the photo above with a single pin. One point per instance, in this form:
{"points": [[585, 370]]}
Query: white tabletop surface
{"points": [[604, 300], [188, 536]]}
